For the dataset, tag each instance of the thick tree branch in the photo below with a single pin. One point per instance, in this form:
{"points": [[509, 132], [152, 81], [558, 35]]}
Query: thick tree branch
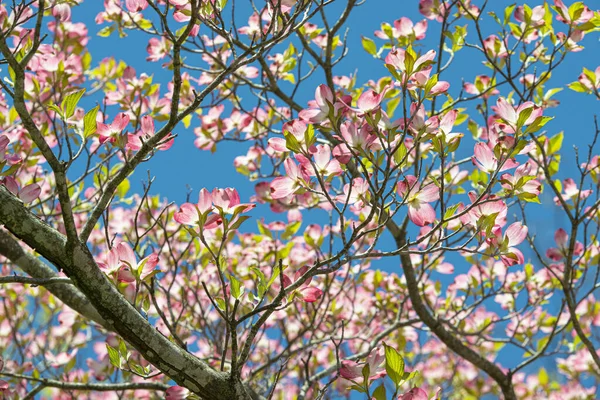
{"points": [[453, 343], [66, 292], [79, 265], [97, 387]]}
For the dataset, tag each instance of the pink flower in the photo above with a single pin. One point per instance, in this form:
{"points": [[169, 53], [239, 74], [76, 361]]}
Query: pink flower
{"points": [[294, 179], [433, 9], [135, 141], [324, 165], [228, 200], [562, 240], [136, 5], [109, 132], [253, 27], [572, 192], [369, 100], [142, 270], [495, 47], [396, 58], [310, 294], [358, 194], [522, 182], [420, 212], [485, 207], [26, 194], [510, 115], [514, 235], [404, 27], [593, 82], [351, 370], [486, 161], [565, 16], [62, 12], [176, 393], [483, 85], [191, 214], [157, 49], [355, 138], [324, 103], [536, 18], [414, 394]]}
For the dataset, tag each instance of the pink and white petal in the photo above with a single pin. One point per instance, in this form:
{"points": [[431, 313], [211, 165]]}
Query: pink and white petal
{"points": [[213, 221], [125, 275], [350, 370], [421, 214], [187, 214], [282, 187], [407, 186], [177, 393], [204, 200], [30, 192], [312, 115], [301, 272], [278, 144], [513, 257], [445, 268], [414, 394], [484, 158], [368, 101], [126, 254], [561, 237], [516, 233], [120, 121], [149, 266], [447, 122], [323, 97], [506, 111], [311, 294], [429, 193], [148, 125], [170, 139], [11, 184], [554, 254]]}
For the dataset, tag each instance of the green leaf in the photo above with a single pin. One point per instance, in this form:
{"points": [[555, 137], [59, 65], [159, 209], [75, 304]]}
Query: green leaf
{"points": [[113, 356], [309, 136], [291, 230], [392, 105], [69, 103], [537, 124], [123, 188], [106, 31], [450, 211], [543, 377], [578, 87], [122, 349], [394, 364], [220, 303], [507, 13], [379, 393], [236, 287], [89, 122], [291, 142], [369, 46], [555, 143], [523, 116], [56, 109]]}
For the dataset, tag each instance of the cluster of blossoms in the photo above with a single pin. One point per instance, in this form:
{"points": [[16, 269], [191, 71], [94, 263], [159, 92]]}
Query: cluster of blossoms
{"points": [[314, 291]]}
